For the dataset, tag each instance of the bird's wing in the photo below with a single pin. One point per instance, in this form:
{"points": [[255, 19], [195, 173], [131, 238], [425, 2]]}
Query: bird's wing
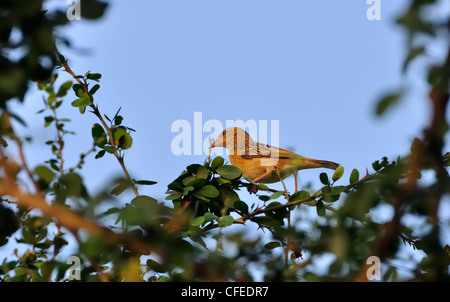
{"points": [[258, 150]]}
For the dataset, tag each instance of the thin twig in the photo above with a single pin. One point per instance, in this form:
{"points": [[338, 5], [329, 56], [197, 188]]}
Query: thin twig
{"points": [[97, 113]]}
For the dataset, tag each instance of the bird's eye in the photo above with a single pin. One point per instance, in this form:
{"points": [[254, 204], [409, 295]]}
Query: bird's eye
{"points": [[224, 132]]}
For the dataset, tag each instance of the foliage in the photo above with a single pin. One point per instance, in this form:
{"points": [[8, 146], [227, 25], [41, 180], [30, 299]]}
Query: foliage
{"points": [[27, 43], [189, 235]]}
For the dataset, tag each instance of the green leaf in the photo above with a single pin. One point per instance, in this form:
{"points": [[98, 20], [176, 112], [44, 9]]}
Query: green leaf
{"points": [[338, 173], [202, 173], [143, 210], [155, 266], [194, 182], [78, 89], [42, 86], [110, 149], [376, 165], [145, 182], [51, 99], [217, 162], [264, 198], [263, 187], [276, 195], [332, 194], [93, 9], [81, 102], [221, 180], [320, 207], [354, 176], [229, 172], [277, 214], [209, 191], [228, 196], [122, 185], [299, 195], [188, 180], [267, 221], [330, 198], [48, 120], [388, 101], [201, 197], [100, 154], [225, 220], [241, 206], [62, 91], [118, 120], [198, 221], [113, 210], [94, 89], [44, 174], [126, 141], [94, 76], [324, 178], [272, 245], [173, 196], [210, 217], [336, 190], [99, 135], [118, 132]]}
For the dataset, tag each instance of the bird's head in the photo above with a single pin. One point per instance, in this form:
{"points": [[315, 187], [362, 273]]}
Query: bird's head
{"points": [[233, 137]]}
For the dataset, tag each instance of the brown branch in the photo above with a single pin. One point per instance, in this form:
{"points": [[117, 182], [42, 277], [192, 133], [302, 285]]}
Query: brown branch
{"points": [[70, 220], [19, 144]]}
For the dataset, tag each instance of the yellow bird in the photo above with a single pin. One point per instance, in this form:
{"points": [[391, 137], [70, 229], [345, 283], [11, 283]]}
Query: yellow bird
{"points": [[261, 162]]}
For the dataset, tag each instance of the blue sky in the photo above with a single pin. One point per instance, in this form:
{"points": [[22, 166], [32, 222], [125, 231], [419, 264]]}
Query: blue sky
{"points": [[318, 67]]}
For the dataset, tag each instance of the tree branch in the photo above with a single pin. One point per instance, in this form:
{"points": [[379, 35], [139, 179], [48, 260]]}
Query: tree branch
{"points": [[70, 220]]}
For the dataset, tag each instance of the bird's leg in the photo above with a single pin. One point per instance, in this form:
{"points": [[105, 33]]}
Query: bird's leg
{"points": [[295, 178], [268, 172], [254, 188]]}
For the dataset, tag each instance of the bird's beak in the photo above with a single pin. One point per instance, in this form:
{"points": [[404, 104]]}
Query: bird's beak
{"points": [[217, 143]]}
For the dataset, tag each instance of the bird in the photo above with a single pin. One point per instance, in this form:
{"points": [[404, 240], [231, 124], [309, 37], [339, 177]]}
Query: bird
{"points": [[263, 163]]}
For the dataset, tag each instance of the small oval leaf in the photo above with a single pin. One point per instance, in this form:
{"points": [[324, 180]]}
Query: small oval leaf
{"points": [[354, 176], [229, 172], [225, 220], [209, 191], [338, 173], [272, 245], [323, 178], [217, 162]]}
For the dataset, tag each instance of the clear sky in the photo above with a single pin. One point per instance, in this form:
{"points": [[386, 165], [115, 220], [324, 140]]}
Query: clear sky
{"points": [[317, 67]]}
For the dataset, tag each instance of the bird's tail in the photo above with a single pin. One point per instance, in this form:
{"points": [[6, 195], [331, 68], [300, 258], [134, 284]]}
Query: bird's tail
{"points": [[309, 163]]}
